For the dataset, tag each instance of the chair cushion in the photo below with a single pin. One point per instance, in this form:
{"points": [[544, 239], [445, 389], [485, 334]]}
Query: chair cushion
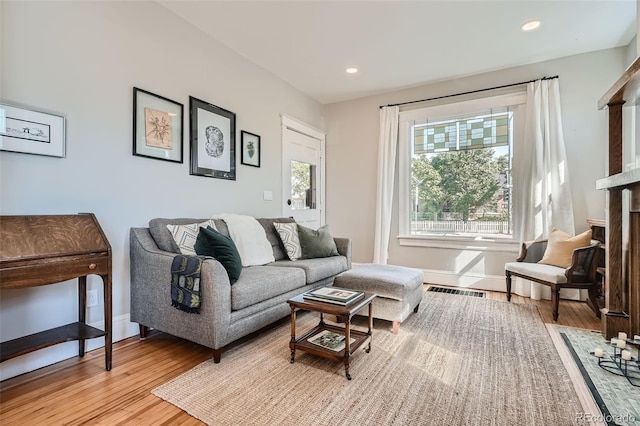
{"points": [[548, 273], [561, 246]]}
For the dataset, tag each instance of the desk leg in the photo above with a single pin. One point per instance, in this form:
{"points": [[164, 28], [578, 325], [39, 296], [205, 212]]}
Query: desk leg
{"points": [[292, 343], [82, 309], [106, 284]]}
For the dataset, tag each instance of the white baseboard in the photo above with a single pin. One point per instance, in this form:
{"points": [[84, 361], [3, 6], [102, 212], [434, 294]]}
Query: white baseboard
{"points": [[466, 280], [122, 328]]}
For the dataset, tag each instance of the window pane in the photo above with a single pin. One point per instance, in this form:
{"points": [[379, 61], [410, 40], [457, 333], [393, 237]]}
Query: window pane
{"points": [[461, 176], [302, 185]]}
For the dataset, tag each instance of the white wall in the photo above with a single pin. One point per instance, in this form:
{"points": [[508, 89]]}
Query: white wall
{"points": [[82, 59], [352, 144]]}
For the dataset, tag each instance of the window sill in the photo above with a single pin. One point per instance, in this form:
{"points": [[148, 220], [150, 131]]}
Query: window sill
{"points": [[460, 243]]}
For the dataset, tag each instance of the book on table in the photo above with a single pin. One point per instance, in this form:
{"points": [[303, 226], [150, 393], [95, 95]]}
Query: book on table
{"points": [[335, 295], [330, 340]]}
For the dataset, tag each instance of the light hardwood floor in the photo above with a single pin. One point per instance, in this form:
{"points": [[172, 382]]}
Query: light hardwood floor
{"points": [[79, 391]]}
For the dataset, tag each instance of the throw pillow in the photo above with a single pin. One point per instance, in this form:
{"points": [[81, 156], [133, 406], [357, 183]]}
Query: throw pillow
{"points": [[222, 248], [561, 245], [316, 243], [288, 233], [185, 235]]}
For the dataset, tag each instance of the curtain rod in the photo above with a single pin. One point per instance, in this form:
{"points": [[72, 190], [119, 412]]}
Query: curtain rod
{"points": [[467, 93]]}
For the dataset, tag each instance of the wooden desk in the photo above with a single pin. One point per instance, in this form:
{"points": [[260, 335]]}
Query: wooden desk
{"points": [[43, 250]]}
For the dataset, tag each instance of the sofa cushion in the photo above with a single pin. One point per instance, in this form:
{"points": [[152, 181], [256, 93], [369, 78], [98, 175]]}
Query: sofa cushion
{"points": [[185, 235], [318, 268], [316, 243], [279, 252], [162, 236], [258, 283], [212, 243], [289, 236]]}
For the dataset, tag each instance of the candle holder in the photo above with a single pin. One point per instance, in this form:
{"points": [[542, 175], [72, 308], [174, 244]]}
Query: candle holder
{"points": [[630, 369]]}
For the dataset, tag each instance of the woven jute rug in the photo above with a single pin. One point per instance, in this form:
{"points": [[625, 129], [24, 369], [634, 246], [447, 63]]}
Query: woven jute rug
{"points": [[458, 361]]}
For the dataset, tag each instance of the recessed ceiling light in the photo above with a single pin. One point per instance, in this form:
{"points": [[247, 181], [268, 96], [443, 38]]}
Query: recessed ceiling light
{"points": [[351, 70], [530, 25]]}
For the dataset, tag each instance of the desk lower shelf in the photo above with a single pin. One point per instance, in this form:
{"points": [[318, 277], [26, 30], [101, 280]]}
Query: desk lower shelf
{"points": [[303, 344], [65, 333]]}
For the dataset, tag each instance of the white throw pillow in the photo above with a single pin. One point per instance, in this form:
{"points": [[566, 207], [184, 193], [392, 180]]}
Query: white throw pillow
{"points": [[288, 233], [185, 235]]}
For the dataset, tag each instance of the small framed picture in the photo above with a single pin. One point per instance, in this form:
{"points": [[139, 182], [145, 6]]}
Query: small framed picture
{"points": [[213, 140], [25, 130], [157, 127], [250, 149]]}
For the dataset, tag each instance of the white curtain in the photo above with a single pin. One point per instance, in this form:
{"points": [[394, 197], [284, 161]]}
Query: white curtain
{"points": [[544, 197], [387, 148]]}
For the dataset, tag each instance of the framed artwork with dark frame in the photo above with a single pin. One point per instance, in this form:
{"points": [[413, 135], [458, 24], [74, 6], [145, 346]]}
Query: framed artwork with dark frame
{"points": [[25, 130], [250, 149], [157, 127], [213, 140]]}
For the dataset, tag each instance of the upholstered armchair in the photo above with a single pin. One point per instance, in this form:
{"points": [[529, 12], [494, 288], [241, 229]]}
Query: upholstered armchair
{"points": [[580, 274]]}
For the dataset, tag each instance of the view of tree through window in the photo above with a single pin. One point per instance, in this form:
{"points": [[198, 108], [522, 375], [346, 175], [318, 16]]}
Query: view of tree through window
{"points": [[461, 177]]}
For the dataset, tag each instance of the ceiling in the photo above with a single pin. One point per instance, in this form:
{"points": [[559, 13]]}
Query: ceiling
{"points": [[399, 44]]}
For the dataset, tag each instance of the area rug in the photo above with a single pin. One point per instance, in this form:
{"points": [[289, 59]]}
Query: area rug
{"points": [[617, 399], [458, 361]]}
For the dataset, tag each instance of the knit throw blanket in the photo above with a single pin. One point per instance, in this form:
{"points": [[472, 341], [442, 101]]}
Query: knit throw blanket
{"points": [[185, 283]]}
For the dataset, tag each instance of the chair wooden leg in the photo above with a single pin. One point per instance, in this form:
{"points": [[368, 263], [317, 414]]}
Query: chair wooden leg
{"points": [[508, 286], [555, 301]]}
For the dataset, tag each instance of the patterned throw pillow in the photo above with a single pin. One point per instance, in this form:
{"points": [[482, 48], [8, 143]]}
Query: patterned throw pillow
{"points": [[288, 233], [185, 235]]}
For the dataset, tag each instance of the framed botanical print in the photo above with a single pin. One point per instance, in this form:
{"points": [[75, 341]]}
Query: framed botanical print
{"points": [[250, 149], [213, 140], [157, 127]]}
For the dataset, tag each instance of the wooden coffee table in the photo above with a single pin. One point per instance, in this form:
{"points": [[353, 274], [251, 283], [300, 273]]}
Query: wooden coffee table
{"points": [[344, 313]]}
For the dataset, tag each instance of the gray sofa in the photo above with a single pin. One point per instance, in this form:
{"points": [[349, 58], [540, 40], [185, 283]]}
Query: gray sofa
{"points": [[228, 312]]}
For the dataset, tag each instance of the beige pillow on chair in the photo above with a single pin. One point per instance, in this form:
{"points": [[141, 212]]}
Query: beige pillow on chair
{"points": [[561, 245]]}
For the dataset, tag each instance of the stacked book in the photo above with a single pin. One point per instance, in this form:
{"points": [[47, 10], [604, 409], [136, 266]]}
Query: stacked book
{"points": [[335, 295]]}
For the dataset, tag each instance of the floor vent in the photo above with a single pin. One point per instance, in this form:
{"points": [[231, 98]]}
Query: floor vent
{"points": [[456, 291]]}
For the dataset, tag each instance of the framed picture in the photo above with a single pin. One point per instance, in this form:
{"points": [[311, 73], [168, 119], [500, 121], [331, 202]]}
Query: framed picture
{"points": [[157, 127], [29, 131], [213, 140], [250, 149]]}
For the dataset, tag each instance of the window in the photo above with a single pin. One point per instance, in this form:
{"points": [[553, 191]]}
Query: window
{"points": [[456, 167]]}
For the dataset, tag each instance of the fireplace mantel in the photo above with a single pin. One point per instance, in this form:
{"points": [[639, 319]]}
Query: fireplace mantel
{"points": [[622, 290]]}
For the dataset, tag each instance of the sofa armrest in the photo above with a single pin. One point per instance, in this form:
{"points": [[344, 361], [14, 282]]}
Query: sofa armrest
{"points": [[151, 294], [344, 248]]}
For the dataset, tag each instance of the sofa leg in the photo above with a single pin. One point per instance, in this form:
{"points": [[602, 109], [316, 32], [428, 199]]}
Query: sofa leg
{"points": [[144, 331], [396, 327], [217, 354], [508, 286], [415, 310]]}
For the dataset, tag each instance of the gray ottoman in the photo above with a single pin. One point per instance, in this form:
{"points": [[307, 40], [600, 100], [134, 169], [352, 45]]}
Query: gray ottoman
{"points": [[399, 289]]}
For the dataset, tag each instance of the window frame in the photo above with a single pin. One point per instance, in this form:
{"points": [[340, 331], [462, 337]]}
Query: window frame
{"points": [[517, 101]]}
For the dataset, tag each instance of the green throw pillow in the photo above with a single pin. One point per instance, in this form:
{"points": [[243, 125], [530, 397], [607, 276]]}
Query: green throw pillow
{"points": [[212, 243], [318, 243]]}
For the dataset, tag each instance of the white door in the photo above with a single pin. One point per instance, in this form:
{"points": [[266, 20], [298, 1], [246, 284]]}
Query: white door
{"points": [[303, 173]]}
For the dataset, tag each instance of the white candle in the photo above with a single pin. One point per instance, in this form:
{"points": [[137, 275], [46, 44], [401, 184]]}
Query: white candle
{"points": [[614, 341], [598, 352], [626, 355], [621, 344], [636, 338], [622, 335]]}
